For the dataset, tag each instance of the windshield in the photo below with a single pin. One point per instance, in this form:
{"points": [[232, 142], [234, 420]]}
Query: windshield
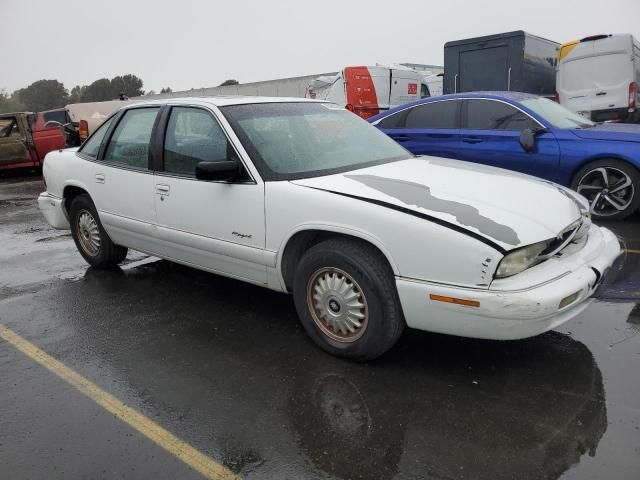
{"points": [[296, 140], [555, 114]]}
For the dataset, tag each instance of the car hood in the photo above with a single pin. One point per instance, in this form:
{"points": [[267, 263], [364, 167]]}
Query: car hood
{"points": [[504, 207], [624, 132]]}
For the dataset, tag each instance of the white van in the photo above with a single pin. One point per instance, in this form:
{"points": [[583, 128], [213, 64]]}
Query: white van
{"points": [[598, 77]]}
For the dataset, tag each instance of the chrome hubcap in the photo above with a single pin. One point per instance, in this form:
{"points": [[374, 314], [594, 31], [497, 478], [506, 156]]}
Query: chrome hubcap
{"points": [[88, 233], [337, 304], [609, 190]]}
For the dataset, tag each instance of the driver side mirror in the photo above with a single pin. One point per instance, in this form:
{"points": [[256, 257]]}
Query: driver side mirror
{"points": [[528, 140], [218, 170]]}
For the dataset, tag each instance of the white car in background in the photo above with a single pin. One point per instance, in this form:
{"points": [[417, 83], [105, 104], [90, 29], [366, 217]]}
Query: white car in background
{"points": [[305, 197]]}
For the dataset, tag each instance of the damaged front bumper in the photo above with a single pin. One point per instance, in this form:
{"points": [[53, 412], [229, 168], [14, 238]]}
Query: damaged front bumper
{"points": [[521, 306]]}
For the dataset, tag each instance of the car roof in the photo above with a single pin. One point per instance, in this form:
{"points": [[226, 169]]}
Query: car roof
{"points": [[509, 96], [221, 101]]}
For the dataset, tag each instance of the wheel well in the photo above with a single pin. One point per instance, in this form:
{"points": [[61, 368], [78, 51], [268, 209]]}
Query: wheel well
{"points": [[69, 193], [302, 241], [597, 159]]}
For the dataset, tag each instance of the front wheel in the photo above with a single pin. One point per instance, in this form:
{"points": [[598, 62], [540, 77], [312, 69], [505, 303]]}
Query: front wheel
{"points": [[90, 238], [346, 298], [611, 186]]}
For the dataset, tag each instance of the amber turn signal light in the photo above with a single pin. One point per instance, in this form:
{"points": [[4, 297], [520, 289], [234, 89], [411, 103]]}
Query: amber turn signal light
{"points": [[457, 301]]}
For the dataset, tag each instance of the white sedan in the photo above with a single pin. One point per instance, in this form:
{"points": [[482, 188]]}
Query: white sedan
{"points": [[304, 197]]}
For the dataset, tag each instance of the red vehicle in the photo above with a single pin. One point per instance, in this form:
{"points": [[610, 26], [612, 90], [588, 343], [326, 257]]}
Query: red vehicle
{"points": [[25, 138]]}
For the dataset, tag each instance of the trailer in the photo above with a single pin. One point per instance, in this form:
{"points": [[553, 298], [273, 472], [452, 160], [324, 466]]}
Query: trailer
{"points": [[515, 61], [369, 90]]}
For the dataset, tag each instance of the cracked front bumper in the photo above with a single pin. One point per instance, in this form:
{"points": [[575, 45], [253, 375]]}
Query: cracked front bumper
{"points": [[506, 313]]}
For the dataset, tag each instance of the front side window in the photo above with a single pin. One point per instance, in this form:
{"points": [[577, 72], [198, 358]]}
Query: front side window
{"points": [[129, 144], [433, 115], [193, 136], [492, 115], [292, 140], [92, 146]]}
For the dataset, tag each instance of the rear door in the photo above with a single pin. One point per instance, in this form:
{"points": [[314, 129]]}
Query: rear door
{"points": [[612, 73], [484, 69], [490, 134], [218, 225], [122, 184], [428, 129]]}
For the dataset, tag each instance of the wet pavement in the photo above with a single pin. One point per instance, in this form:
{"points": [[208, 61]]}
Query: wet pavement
{"points": [[226, 367]]}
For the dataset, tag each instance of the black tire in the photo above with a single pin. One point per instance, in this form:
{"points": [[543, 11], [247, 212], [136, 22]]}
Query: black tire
{"points": [[590, 175], [107, 254], [367, 274]]}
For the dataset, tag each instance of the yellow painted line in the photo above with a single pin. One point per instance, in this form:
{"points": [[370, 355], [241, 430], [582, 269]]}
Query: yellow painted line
{"points": [[631, 250], [154, 432]]}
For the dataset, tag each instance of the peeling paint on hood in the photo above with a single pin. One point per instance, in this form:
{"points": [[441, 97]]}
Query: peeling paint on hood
{"points": [[505, 207], [412, 193]]}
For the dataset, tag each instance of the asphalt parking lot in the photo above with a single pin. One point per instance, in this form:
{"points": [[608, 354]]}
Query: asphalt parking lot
{"points": [[159, 371]]}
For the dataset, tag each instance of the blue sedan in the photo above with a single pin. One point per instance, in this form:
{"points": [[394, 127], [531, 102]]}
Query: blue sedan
{"points": [[529, 134]]}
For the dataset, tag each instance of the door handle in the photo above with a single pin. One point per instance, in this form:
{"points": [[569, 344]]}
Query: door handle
{"points": [[400, 137], [472, 140], [599, 94], [99, 178], [162, 189]]}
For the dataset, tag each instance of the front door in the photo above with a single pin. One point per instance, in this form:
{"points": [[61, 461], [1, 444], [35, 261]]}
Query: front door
{"points": [[14, 151], [122, 183], [217, 225], [490, 135]]}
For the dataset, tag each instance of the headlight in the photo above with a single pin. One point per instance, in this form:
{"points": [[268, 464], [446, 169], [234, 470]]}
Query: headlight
{"points": [[519, 260]]}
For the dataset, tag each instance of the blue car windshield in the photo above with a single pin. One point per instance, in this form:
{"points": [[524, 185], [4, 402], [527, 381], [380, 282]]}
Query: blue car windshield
{"points": [[555, 114]]}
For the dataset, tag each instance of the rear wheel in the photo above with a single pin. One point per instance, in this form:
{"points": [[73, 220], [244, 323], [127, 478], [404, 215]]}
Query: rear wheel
{"points": [[611, 186], [90, 238], [345, 295]]}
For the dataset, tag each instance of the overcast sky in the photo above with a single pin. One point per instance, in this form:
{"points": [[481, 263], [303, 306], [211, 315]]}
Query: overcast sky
{"points": [[188, 43]]}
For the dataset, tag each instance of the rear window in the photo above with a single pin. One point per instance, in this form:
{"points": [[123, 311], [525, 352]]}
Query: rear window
{"points": [[433, 115]]}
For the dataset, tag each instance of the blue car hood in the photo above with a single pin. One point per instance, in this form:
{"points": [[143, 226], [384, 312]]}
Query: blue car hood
{"points": [[624, 132]]}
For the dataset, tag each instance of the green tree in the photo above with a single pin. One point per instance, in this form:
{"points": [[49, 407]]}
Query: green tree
{"points": [[128, 84], [10, 103], [77, 94], [98, 91], [231, 81], [43, 95], [166, 90]]}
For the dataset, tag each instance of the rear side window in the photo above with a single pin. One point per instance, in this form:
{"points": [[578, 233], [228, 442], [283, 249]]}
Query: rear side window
{"points": [[193, 136], [129, 144], [433, 115], [56, 116], [492, 115], [92, 146], [393, 121]]}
